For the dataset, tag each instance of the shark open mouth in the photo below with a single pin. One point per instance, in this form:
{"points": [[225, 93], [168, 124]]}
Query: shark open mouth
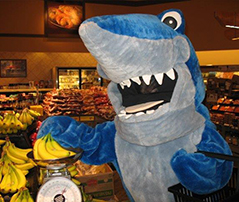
{"points": [[146, 93]]}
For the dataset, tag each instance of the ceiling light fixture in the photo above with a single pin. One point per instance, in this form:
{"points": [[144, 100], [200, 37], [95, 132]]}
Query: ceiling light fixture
{"points": [[229, 20], [232, 26]]}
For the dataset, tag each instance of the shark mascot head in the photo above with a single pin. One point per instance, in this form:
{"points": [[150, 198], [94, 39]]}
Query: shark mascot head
{"points": [[157, 91]]}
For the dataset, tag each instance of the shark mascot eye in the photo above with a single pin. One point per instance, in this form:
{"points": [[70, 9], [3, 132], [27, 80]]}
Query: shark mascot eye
{"points": [[172, 19], [157, 91]]}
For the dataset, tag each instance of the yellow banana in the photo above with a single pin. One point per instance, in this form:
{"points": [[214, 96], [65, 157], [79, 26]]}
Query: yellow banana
{"points": [[35, 149], [32, 162], [15, 196], [24, 196], [25, 172], [73, 173], [6, 121], [14, 181], [13, 152], [30, 199], [19, 124], [4, 181], [9, 131], [33, 113], [29, 118], [1, 168], [71, 168], [77, 182], [19, 198], [14, 159], [13, 121], [24, 151], [20, 176], [22, 118], [5, 166], [2, 142], [4, 131], [24, 126], [53, 151], [17, 115], [5, 187], [41, 176], [58, 147], [43, 153], [25, 166]]}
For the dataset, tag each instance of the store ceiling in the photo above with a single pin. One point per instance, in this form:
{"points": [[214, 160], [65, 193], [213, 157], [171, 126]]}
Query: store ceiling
{"points": [[132, 2], [229, 20]]}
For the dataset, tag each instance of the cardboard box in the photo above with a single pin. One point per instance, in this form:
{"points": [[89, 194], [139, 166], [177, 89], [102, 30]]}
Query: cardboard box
{"points": [[99, 185], [37, 108]]}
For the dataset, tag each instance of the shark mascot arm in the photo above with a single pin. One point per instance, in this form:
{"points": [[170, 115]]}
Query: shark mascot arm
{"points": [[97, 143], [157, 91]]}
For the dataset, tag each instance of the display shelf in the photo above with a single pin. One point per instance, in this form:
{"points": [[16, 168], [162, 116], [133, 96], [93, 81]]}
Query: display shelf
{"points": [[22, 138], [25, 90]]}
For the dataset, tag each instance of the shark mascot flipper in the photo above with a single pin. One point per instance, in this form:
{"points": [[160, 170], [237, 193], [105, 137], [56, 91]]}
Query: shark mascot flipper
{"points": [[157, 91]]}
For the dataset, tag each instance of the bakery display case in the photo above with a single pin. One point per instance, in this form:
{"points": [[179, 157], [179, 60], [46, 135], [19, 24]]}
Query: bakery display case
{"points": [[77, 78], [222, 100]]}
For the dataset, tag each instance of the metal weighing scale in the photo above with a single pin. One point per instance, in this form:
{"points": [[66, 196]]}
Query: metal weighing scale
{"points": [[57, 185]]}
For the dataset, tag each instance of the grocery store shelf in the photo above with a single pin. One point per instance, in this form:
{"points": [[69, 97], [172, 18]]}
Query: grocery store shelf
{"points": [[24, 90]]}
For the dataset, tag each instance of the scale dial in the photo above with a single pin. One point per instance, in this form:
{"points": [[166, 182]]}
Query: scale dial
{"points": [[59, 189]]}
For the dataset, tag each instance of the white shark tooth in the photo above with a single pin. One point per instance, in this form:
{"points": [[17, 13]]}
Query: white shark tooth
{"points": [[146, 79], [171, 74], [136, 80], [120, 115], [139, 113], [125, 83], [127, 116], [150, 111], [159, 78], [122, 85], [122, 112]]}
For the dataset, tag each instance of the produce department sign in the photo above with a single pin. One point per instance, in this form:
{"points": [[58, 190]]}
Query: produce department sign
{"points": [[63, 18]]}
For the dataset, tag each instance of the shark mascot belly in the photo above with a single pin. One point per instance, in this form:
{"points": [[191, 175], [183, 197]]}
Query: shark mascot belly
{"points": [[157, 91]]}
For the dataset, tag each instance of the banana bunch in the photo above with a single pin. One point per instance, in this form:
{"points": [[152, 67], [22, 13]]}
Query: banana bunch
{"points": [[26, 118], [14, 121], [23, 195], [46, 148], [10, 124], [12, 178], [73, 172], [33, 113], [14, 165]]}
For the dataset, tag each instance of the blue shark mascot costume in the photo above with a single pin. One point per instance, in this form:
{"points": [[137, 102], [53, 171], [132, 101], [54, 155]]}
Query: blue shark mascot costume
{"points": [[157, 91]]}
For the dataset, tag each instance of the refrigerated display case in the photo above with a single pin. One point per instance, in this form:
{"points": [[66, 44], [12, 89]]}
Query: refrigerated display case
{"points": [[77, 78]]}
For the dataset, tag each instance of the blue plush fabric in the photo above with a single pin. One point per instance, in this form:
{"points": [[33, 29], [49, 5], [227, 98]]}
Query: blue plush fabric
{"points": [[151, 143]]}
